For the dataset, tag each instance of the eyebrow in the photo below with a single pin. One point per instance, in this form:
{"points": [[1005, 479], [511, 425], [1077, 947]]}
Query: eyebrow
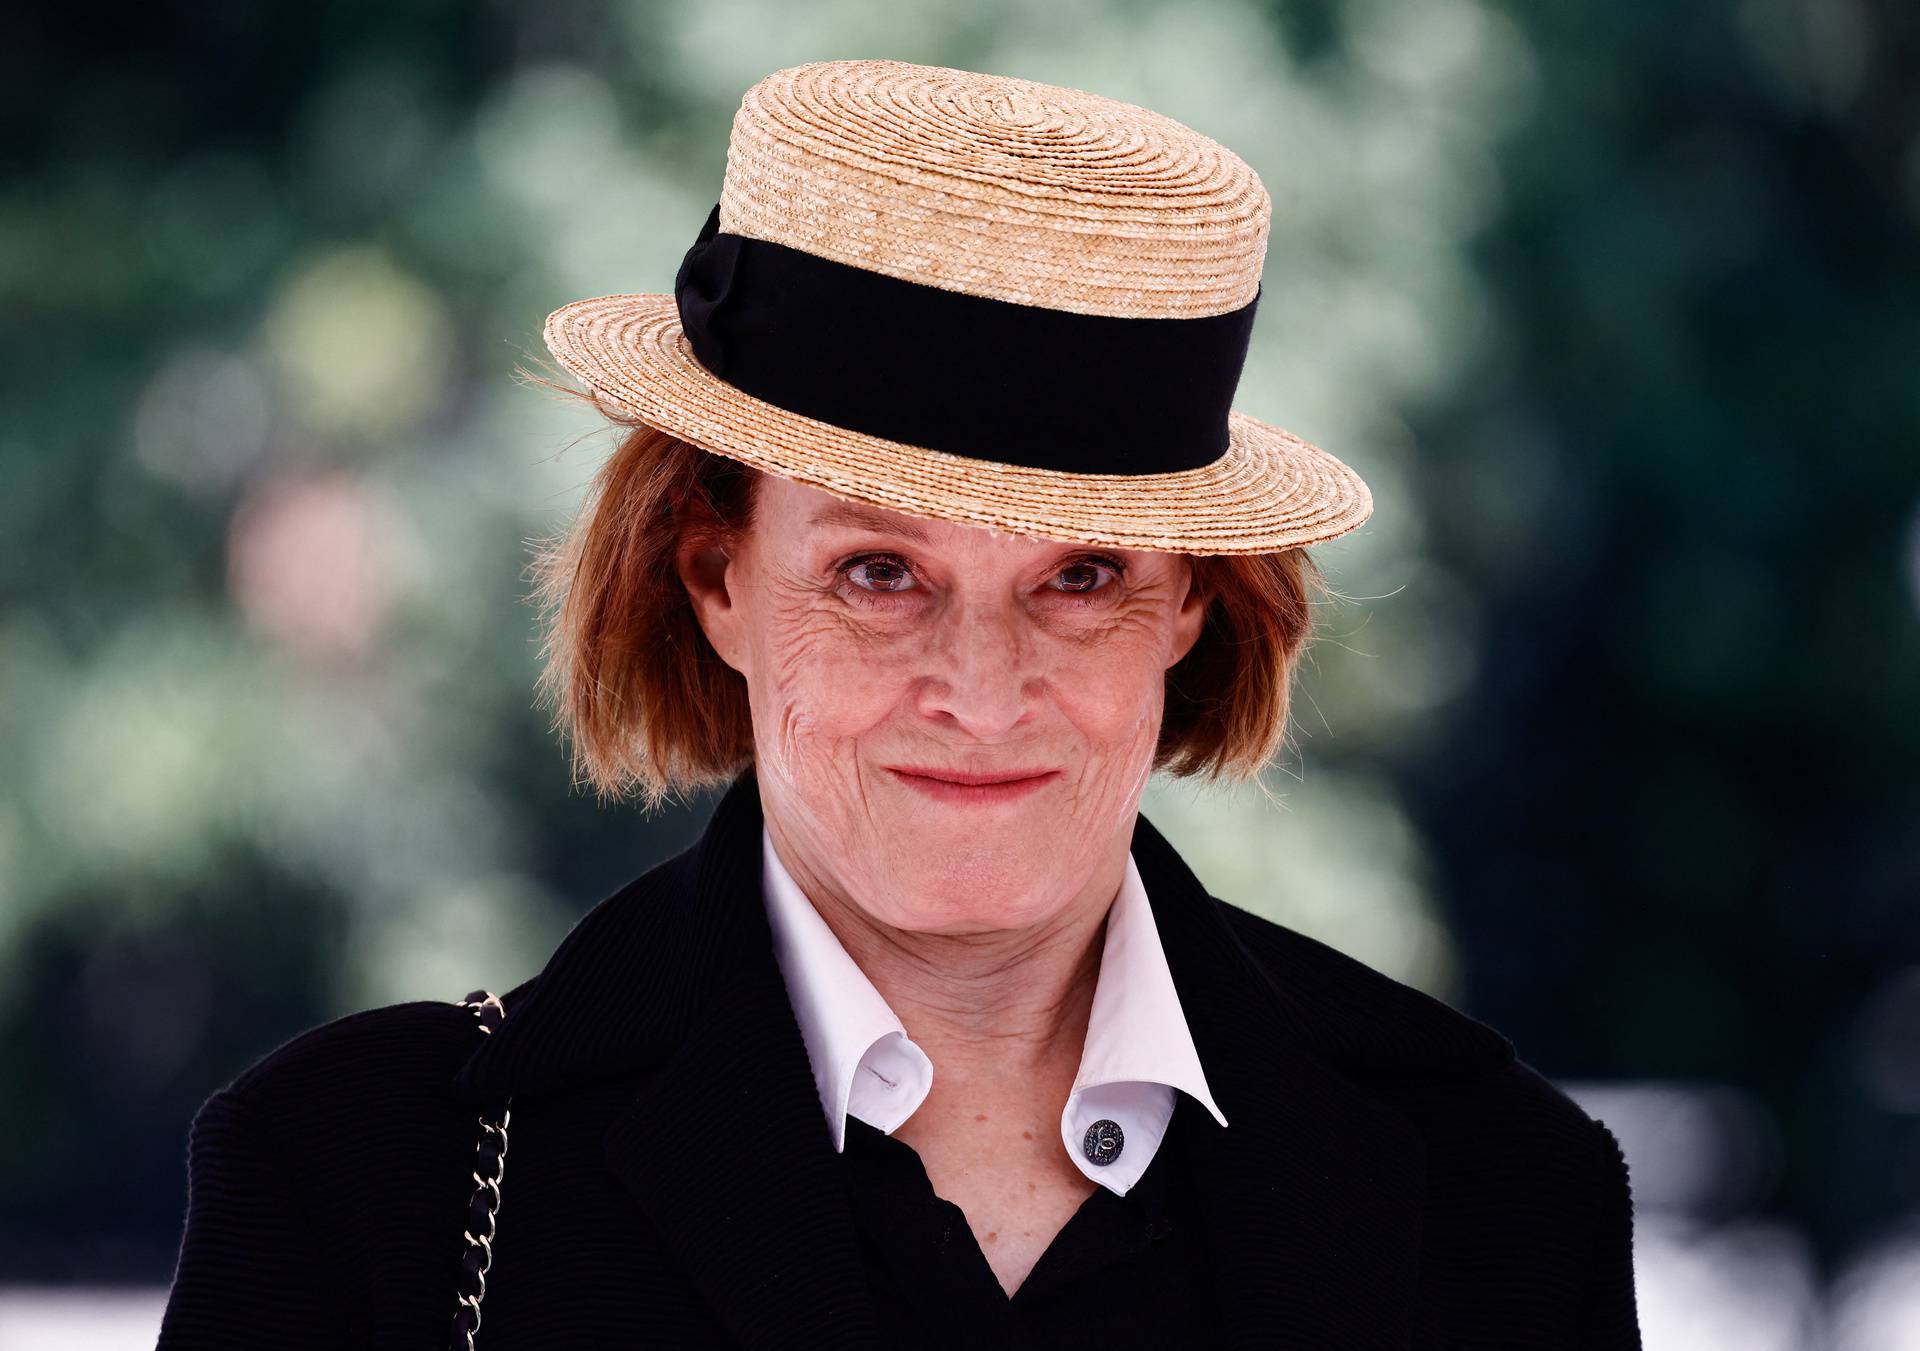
{"points": [[867, 518]]}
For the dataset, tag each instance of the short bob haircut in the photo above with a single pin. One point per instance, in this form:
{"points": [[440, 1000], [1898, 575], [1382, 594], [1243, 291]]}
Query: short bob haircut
{"points": [[647, 703]]}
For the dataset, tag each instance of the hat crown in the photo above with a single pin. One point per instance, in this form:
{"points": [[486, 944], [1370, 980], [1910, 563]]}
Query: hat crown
{"points": [[996, 187]]}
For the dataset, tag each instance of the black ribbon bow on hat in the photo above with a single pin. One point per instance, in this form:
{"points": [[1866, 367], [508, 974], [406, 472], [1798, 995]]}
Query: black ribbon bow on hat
{"points": [[992, 379], [704, 283]]}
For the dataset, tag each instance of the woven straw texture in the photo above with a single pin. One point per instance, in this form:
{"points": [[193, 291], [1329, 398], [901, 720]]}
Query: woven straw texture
{"points": [[1029, 193]]}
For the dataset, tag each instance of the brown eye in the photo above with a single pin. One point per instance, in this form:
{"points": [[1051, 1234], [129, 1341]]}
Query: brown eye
{"points": [[1087, 575], [885, 575]]}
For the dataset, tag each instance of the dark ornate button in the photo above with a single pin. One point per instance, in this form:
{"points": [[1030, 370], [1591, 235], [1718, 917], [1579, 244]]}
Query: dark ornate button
{"points": [[1104, 1141]]}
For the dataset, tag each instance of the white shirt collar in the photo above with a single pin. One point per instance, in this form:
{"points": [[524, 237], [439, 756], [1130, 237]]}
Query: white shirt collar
{"points": [[1138, 1048]]}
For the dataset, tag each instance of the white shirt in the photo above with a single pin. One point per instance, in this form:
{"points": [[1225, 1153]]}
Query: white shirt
{"points": [[1138, 1048]]}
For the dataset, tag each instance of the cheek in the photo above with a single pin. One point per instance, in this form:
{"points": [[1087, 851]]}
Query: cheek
{"points": [[827, 677], [1116, 699]]}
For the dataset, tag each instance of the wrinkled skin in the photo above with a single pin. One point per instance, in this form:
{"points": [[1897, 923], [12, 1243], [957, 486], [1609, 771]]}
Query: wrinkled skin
{"points": [[909, 641]]}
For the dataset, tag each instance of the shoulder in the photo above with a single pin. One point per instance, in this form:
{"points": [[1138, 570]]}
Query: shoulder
{"points": [[1524, 1191], [378, 1047], [1460, 1079], [1364, 1022], [348, 1118], [369, 1075], [1513, 1164], [322, 1167]]}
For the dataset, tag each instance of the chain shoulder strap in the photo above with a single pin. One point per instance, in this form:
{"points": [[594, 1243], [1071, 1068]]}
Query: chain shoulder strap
{"points": [[490, 1166]]}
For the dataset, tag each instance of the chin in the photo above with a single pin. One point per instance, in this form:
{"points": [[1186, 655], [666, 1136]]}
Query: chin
{"points": [[982, 886]]}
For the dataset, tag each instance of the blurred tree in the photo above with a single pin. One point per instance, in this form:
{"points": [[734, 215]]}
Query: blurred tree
{"points": [[1685, 783], [1615, 305]]}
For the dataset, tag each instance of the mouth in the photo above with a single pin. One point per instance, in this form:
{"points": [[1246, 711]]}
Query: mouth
{"points": [[953, 785]]}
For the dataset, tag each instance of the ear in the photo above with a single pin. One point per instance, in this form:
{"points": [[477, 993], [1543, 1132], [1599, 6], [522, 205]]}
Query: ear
{"points": [[1191, 618], [704, 566]]}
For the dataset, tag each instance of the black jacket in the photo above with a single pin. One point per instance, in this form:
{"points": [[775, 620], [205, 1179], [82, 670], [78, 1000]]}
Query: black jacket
{"points": [[1393, 1175]]}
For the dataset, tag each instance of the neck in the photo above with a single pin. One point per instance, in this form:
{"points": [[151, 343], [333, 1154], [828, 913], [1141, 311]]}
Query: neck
{"points": [[1001, 1004]]}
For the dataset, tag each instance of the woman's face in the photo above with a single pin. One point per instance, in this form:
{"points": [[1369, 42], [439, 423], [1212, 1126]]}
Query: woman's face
{"points": [[882, 651]]}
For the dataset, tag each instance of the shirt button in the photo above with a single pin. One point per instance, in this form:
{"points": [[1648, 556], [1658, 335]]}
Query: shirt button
{"points": [[1104, 1141]]}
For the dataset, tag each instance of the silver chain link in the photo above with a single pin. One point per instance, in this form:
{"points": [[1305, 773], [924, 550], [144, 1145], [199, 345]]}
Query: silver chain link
{"points": [[490, 1167]]}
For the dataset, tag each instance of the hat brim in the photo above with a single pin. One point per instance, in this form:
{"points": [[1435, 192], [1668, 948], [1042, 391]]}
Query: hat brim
{"points": [[1270, 491]]}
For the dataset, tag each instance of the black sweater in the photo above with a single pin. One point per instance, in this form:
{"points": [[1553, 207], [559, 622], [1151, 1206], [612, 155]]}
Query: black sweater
{"points": [[1124, 1271], [1393, 1174]]}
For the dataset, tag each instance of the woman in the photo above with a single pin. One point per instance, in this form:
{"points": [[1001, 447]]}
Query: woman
{"points": [[931, 1039]]}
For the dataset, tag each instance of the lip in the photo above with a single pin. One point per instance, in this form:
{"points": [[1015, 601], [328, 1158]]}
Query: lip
{"points": [[952, 785]]}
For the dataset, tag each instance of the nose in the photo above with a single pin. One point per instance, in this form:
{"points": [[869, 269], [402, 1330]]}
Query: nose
{"points": [[983, 668]]}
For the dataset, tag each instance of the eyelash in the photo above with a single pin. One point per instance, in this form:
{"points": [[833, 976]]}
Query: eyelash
{"points": [[1074, 598]]}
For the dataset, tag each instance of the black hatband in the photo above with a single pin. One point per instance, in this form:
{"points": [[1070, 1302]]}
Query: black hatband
{"points": [[1022, 384]]}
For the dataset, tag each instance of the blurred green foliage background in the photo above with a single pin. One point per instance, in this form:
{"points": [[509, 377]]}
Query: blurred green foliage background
{"points": [[1617, 308]]}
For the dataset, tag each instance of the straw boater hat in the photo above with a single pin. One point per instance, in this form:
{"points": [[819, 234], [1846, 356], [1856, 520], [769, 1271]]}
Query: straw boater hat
{"points": [[978, 299]]}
